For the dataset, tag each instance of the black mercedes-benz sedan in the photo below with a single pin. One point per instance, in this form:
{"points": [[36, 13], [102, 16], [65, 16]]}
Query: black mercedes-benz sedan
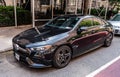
{"points": [[60, 40]]}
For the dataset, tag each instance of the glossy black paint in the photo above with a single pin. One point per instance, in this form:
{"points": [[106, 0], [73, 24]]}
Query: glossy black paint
{"points": [[79, 39]]}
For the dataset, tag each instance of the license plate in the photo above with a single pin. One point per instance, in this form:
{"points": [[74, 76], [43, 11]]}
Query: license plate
{"points": [[17, 56]]}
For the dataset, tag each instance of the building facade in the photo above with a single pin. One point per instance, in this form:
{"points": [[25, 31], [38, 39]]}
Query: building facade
{"points": [[47, 9], [9, 2]]}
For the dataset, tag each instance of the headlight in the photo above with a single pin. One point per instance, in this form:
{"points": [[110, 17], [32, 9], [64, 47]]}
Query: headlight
{"points": [[40, 51], [43, 48]]}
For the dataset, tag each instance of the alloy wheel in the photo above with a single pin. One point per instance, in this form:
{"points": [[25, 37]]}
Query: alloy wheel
{"points": [[108, 40], [62, 56]]}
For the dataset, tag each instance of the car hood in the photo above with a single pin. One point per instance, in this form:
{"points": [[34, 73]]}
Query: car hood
{"points": [[115, 23], [47, 35]]}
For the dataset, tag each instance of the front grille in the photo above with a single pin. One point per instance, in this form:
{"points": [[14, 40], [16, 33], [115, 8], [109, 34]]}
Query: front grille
{"points": [[21, 50]]}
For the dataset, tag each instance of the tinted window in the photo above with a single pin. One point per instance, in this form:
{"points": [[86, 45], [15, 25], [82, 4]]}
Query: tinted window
{"points": [[91, 22], [97, 22], [64, 22], [116, 18], [86, 22]]}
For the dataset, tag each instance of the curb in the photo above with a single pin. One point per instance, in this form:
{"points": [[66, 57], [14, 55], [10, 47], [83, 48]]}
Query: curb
{"points": [[5, 50]]}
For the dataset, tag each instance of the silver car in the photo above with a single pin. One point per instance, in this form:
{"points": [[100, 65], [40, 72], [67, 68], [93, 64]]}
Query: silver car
{"points": [[115, 21]]}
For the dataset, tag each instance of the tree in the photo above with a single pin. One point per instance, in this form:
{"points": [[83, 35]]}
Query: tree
{"points": [[115, 4]]}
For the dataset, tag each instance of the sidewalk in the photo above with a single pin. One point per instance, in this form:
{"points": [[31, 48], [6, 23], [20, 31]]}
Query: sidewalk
{"points": [[6, 35]]}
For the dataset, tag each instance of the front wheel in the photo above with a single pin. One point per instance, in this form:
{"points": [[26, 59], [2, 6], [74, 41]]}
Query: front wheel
{"points": [[62, 57], [108, 40]]}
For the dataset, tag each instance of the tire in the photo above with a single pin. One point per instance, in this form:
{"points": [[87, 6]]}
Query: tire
{"points": [[62, 57], [108, 40]]}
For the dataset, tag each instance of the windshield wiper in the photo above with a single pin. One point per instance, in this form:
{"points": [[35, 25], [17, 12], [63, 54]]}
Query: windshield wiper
{"points": [[36, 28], [40, 34]]}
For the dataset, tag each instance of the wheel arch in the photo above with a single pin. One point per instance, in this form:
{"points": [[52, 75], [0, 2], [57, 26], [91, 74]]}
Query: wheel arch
{"points": [[53, 62], [67, 44]]}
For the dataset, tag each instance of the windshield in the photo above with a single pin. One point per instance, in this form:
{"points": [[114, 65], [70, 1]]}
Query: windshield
{"points": [[64, 22], [116, 18]]}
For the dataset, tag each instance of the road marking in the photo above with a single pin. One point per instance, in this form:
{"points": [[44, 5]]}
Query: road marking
{"points": [[103, 67]]}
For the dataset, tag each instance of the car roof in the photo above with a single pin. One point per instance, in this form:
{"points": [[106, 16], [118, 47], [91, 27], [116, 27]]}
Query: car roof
{"points": [[117, 14]]}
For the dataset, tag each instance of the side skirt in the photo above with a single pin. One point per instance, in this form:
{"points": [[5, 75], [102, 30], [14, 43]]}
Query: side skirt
{"points": [[88, 50]]}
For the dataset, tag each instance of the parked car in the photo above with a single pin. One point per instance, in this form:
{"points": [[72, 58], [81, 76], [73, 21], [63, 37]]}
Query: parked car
{"points": [[115, 21], [60, 40]]}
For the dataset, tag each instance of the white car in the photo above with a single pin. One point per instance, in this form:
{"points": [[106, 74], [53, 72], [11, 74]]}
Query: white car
{"points": [[115, 21]]}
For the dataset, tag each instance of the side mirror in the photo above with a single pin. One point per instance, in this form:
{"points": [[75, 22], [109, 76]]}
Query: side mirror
{"points": [[81, 29]]}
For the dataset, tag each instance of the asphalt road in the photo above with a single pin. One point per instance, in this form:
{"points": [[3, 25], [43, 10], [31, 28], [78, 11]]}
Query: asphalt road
{"points": [[78, 67]]}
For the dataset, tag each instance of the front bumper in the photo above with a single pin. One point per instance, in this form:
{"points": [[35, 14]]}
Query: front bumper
{"points": [[116, 31], [35, 65], [23, 56], [32, 62]]}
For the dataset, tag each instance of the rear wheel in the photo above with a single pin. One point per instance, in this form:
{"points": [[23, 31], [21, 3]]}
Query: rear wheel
{"points": [[108, 40], [62, 57]]}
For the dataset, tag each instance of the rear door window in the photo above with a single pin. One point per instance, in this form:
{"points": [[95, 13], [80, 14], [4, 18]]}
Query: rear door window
{"points": [[97, 22]]}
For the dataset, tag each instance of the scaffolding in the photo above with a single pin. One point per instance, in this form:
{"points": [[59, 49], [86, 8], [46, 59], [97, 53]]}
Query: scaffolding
{"points": [[53, 8], [48, 8], [104, 7]]}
